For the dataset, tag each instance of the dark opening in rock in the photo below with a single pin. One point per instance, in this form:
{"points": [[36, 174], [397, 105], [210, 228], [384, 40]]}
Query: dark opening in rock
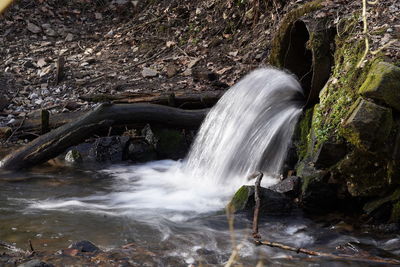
{"points": [[306, 50], [298, 59]]}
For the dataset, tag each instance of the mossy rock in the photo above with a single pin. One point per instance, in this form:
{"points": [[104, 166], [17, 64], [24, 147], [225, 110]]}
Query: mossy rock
{"points": [[272, 203], [383, 84], [368, 125], [365, 174]]}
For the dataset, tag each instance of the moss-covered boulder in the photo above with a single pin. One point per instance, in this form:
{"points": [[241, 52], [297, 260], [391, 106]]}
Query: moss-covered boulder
{"points": [[383, 84], [272, 203], [368, 125]]}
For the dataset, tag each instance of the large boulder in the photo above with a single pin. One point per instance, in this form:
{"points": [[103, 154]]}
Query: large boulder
{"points": [[272, 203], [383, 84], [368, 125]]}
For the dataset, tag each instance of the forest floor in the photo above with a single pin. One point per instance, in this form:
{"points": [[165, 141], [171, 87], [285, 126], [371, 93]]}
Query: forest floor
{"points": [[56, 53]]}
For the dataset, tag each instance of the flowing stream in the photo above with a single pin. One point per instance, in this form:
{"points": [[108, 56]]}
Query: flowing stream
{"points": [[176, 208]]}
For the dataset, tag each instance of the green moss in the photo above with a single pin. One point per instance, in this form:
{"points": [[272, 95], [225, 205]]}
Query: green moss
{"points": [[383, 84], [279, 47], [239, 200], [303, 133]]}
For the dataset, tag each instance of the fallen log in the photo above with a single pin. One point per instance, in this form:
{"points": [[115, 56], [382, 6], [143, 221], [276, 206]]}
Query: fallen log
{"points": [[176, 99], [57, 141]]}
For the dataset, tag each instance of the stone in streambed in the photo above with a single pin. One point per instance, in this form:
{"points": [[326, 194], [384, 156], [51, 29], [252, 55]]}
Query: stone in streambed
{"points": [[73, 156], [272, 203], [383, 84], [85, 246]]}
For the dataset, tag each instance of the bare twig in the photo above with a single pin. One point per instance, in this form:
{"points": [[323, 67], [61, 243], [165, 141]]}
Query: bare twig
{"points": [[328, 255], [257, 199]]}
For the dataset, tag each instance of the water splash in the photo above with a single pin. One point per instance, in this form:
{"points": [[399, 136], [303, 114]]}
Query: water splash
{"points": [[249, 129]]}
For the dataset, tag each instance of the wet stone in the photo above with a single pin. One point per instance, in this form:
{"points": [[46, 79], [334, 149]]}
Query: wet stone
{"points": [[73, 156], [289, 186], [110, 149], [85, 246]]}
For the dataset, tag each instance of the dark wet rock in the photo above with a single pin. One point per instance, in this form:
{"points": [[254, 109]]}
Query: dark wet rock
{"points": [[366, 174], [289, 186], [317, 194], [171, 144], [110, 149], [383, 84], [272, 203], [35, 263], [85, 246], [368, 125], [73, 156], [329, 154], [141, 151], [384, 209], [168, 143]]}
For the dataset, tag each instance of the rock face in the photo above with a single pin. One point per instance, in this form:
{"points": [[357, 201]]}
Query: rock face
{"points": [[368, 125], [272, 203], [383, 84]]}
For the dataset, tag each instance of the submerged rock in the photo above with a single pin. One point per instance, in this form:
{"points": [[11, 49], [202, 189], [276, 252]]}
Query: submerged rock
{"points": [[272, 203], [383, 83], [85, 246]]}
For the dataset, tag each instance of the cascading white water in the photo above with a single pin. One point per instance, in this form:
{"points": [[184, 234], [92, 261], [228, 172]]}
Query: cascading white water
{"points": [[249, 129]]}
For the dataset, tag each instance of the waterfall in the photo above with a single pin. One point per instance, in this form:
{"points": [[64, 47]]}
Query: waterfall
{"points": [[249, 129]]}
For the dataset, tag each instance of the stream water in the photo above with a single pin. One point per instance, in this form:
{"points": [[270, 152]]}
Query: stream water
{"points": [[176, 208]]}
